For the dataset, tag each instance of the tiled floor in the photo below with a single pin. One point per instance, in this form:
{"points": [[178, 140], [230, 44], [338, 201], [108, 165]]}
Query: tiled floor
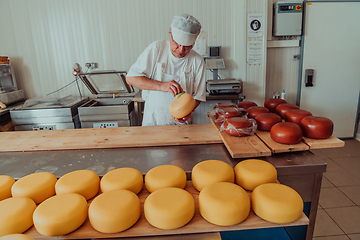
{"points": [[338, 214]]}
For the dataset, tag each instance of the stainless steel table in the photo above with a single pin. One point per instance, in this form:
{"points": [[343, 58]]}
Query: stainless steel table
{"points": [[300, 170]]}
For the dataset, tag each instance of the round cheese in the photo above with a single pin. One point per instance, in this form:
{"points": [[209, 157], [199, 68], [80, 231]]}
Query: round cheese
{"points": [[122, 178], [6, 183], [253, 172], [224, 204], [276, 203], [211, 171], [60, 214], [17, 236], [114, 211], [37, 186], [16, 215], [169, 208], [165, 176], [83, 182]]}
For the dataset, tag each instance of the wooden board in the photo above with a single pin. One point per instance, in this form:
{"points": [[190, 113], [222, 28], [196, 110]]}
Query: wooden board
{"points": [[242, 147], [332, 142], [196, 225], [108, 137], [278, 147]]}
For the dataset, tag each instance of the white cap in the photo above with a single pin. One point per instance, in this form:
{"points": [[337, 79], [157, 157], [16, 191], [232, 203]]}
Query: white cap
{"points": [[185, 29]]}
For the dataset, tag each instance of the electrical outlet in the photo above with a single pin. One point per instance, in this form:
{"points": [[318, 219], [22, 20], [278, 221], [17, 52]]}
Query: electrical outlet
{"points": [[93, 65]]}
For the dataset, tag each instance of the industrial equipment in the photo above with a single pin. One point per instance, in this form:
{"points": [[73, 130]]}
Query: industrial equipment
{"points": [[113, 105], [287, 18]]}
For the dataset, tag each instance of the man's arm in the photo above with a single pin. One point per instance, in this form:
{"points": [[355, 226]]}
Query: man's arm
{"points": [[145, 83]]}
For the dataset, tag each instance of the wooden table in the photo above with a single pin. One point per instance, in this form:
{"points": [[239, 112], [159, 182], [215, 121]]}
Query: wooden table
{"points": [[300, 170]]}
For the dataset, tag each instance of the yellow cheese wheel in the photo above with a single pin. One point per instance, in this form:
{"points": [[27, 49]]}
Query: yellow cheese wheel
{"points": [[276, 203], [6, 183], [60, 214], [17, 236], [211, 171], [122, 178], [165, 176], [169, 208], [253, 172], [37, 186], [114, 211], [224, 203], [83, 182], [16, 215]]}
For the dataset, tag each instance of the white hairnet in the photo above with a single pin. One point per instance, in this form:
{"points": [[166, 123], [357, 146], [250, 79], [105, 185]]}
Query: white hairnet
{"points": [[185, 29]]}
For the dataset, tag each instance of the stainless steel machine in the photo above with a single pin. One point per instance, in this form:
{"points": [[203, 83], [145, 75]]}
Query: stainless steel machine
{"points": [[113, 105], [9, 92], [224, 86], [47, 114]]}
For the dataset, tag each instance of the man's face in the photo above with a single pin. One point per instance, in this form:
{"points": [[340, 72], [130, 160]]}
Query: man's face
{"points": [[178, 50]]}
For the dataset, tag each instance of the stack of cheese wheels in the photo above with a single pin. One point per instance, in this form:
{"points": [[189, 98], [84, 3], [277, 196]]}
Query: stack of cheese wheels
{"points": [[224, 203], [211, 171], [276, 203], [60, 214], [83, 182], [169, 208], [253, 172], [37, 186], [114, 211], [16, 236], [6, 183], [165, 176], [16, 215], [122, 178]]}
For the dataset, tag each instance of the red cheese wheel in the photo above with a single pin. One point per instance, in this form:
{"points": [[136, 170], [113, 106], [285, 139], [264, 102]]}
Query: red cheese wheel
{"points": [[246, 104], [317, 127], [266, 120], [281, 109], [224, 104], [272, 103], [295, 115], [227, 112], [256, 110], [237, 126], [286, 133]]}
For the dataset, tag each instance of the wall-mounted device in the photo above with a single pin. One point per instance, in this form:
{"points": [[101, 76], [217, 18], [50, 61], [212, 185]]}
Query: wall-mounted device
{"points": [[287, 18], [309, 77], [214, 62], [214, 52]]}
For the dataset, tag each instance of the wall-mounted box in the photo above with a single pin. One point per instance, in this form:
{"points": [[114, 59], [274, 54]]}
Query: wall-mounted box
{"points": [[287, 18]]}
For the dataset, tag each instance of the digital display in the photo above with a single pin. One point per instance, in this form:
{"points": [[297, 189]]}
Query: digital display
{"points": [[214, 51]]}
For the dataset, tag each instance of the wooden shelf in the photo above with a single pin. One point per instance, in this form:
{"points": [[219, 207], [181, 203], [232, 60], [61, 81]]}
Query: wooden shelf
{"points": [[196, 225]]}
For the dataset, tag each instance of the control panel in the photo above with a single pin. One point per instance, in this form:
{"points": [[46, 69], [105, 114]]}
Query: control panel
{"points": [[287, 18]]}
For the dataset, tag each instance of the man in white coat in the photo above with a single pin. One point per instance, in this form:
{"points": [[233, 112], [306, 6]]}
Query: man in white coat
{"points": [[166, 68]]}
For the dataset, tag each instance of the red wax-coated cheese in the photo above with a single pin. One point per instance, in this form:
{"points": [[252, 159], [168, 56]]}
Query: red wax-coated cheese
{"points": [[295, 115], [266, 120], [286, 133], [282, 109], [272, 103], [256, 110], [317, 127]]}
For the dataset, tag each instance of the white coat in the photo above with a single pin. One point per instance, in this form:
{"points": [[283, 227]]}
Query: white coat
{"points": [[158, 63]]}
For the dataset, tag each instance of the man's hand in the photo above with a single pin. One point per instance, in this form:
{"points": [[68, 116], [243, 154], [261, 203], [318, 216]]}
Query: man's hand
{"points": [[184, 119], [172, 87]]}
